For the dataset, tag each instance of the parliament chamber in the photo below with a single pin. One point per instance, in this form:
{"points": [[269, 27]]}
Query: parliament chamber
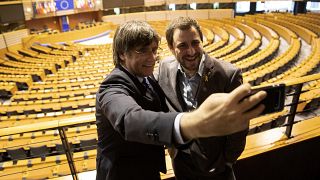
{"points": [[49, 80]]}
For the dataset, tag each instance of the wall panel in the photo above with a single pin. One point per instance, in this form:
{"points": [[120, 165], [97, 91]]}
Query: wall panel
{"points": [[169, 15], [221, 13], [14, 37], [175, 14], [156, 16], [199, 14], [135, 16], [2, 42], [110, 4]]}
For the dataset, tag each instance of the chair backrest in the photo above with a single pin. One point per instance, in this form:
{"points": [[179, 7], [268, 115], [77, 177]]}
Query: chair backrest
{"points": [[40, 151], [89, 144], [60, 149], [16, 154]]}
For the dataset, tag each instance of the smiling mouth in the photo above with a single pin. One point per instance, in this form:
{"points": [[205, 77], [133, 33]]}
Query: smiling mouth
{"points": [[190, 59], [148, 65]]}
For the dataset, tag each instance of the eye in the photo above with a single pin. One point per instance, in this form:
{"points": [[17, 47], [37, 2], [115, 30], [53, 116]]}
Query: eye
{"points": [[141, 51], [182, 46], [154, 51], [195, 43]]}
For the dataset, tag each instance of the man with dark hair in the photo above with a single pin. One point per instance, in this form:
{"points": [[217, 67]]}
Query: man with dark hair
{"points": [[132, 118], [188, 79]]}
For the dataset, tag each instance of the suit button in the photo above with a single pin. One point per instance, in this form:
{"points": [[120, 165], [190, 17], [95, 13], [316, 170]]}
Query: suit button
{"points": [[156, 136], [212, 170], [149, 134]]}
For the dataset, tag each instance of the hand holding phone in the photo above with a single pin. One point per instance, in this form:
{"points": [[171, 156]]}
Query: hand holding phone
{"points": [[275, 99]]}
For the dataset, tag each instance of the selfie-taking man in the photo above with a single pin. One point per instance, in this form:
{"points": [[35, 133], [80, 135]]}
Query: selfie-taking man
{"points": [[188, 78]]}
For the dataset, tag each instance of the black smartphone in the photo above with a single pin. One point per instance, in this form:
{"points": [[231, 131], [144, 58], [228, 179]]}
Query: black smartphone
{"points": [[275, 99]]}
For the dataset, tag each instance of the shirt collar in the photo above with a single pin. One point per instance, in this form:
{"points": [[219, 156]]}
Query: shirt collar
{"points": [[200, 69], [140, 79]]}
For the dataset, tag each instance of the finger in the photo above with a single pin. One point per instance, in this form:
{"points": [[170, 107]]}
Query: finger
{"points": [[251, 101], [254, 112], [243, 123], [239, 93]]}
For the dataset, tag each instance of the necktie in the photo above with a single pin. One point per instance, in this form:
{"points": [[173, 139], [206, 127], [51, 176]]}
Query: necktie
{"points": [[149, 90], [145, 83]]}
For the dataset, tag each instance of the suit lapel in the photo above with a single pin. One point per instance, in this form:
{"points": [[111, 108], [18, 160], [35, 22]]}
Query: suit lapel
{"points": [[208, 83], [170, 84]]}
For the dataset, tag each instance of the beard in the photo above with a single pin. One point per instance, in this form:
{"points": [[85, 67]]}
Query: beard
{"points": [[191, 63]]}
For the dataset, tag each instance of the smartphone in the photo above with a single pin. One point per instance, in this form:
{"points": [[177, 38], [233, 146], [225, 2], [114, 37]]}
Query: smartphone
{"points": [[275, 99]]}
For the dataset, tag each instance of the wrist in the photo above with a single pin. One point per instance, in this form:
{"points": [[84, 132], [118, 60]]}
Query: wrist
{"points": [[188, 126]]}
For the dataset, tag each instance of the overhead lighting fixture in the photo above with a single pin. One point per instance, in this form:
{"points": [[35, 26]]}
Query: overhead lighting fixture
{"points": [[216, 5], [193, 6], [172, 7], [116, 11]]}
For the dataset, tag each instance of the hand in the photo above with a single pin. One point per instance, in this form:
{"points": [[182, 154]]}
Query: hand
{"points": [[222, 114]]}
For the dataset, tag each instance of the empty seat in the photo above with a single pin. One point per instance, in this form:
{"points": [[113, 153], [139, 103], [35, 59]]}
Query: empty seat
{"points": [[89, 144], [60, 149], [40, 151], [16, 154]]}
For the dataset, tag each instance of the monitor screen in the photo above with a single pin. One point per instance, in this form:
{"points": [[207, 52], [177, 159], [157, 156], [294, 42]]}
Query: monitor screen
{"points": [[11, 13]]}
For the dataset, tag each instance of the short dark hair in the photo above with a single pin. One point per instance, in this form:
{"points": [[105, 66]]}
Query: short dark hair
{"points": [[182, 23], [130, 35]]}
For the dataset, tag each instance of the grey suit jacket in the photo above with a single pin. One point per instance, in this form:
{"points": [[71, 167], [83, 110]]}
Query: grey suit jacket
{"points": [[218, 76], [132, 128]]}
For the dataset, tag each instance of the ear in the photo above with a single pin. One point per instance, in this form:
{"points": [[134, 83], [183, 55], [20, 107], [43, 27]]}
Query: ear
{"points": [[122, 59], [122, 56]]}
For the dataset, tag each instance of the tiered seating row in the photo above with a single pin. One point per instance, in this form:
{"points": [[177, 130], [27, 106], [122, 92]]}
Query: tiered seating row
{"points": [[246, 51], [278, 64], [224, 39], [274, 67], [43, 106], [260, 57], [217, 31], [18, 120], [304, 67], [50, 96], [232, 47], [304, 33]]}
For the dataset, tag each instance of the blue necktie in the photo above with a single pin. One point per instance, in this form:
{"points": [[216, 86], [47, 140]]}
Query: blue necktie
{"points": [[146, 84], [149, 90]]}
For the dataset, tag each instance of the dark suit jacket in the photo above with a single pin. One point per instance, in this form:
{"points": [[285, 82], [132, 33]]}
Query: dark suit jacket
{"points": [[218, 76], [131, 128]]}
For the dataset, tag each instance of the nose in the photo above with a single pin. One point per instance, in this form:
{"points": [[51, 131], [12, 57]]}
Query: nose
{"points": [[152, 57], [190, 50]]}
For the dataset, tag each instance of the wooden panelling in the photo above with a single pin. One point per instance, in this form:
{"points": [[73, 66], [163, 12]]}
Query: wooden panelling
{"points": [[14, 37]]}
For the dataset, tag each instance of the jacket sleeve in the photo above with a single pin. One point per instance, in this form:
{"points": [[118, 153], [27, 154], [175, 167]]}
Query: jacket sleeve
{"points": [[235, 143], [130, 120]]}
